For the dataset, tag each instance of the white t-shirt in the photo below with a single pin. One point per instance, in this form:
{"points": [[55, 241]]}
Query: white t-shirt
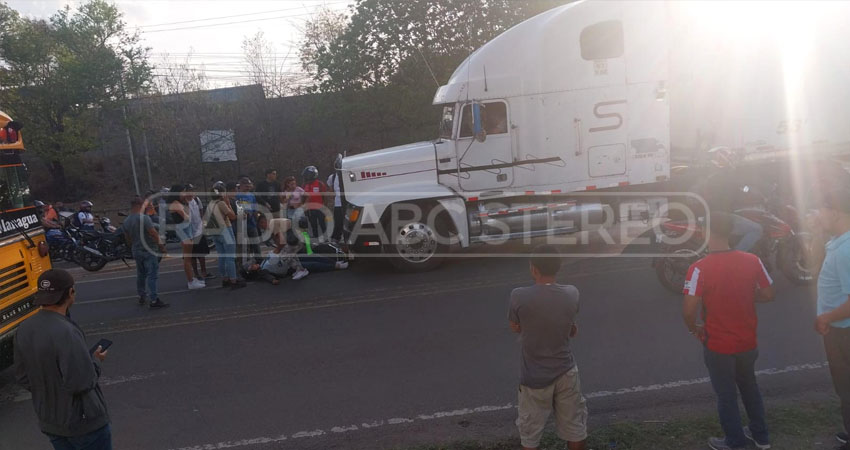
{"points": [[333, 183], [195, 218]]}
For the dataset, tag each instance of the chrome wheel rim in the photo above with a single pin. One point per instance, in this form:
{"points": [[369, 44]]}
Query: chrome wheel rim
{"points": [[416, 242]]}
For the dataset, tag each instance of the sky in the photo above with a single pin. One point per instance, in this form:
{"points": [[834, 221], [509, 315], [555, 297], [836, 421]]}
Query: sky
{"points": [[210, 30]]}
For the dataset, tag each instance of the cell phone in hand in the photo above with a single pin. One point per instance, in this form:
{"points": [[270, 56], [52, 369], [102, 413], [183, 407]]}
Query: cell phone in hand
{"points": [[103, 343]]}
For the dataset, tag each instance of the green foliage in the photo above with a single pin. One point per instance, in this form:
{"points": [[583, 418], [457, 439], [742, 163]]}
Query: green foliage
{"points": [[61, 72], [385, 37]]}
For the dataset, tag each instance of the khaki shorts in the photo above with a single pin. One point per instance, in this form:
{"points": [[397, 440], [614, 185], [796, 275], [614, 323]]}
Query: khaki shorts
{"points": [[535, 405]]}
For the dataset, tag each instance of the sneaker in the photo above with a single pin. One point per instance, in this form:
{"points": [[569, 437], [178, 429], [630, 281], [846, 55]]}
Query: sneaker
{"points": [[749, 435], [842, 437], [720, 444], [142, 300], [195, 284], [209, 276], [158, 304], [342, 265], [201, 281], [300, 274]]}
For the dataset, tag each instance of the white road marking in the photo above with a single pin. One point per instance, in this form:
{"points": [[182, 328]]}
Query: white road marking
{"points": [[128, 297], [15, 393], [482, 409]]}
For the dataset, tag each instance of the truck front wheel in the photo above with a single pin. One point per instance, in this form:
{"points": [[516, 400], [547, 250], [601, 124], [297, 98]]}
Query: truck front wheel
{"points": [[418, 242]]}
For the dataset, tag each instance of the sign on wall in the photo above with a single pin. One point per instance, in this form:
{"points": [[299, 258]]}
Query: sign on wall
{"points": [[218, 145]]}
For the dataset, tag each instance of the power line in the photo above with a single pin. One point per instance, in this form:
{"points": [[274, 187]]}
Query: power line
{"points": [[236, 15], [227, 23]]}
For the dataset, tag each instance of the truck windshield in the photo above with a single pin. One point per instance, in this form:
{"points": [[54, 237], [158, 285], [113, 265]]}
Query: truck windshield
{"points": [[14, 190], [447, 122]]}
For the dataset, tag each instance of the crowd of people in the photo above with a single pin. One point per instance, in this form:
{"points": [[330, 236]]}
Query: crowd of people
{"points": [[239, 219]]}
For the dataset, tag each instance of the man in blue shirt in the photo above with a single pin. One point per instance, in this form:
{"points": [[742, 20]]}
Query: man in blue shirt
{"points": [[833, 308]]}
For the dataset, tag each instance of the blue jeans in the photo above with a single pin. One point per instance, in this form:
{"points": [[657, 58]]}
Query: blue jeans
{"points": [[225, 245], [96, 440], [147, 274], [749, 231], [317, 263], [730, 374]]}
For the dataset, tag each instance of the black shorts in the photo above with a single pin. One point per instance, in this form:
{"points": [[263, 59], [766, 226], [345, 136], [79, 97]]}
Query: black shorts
{"points": [[202, 247]]}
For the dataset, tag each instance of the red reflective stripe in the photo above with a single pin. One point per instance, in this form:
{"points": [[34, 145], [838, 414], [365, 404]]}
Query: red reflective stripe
{"points": [[556, 191], [529, 192], [530, 208], [590, 188], [624, 183], [473, 199]]}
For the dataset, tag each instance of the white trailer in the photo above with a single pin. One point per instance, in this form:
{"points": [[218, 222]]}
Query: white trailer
{"points": [[597, 96]]}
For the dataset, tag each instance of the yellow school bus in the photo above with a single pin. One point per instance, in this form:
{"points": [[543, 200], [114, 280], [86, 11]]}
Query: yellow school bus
{"points": [[23, 250]]}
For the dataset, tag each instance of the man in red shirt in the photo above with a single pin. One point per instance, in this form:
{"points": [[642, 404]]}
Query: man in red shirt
{"points": [[314, 203], [727, 284]]}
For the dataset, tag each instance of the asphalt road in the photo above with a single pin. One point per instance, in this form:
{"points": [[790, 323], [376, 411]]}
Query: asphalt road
{"points": [[367, 358]]}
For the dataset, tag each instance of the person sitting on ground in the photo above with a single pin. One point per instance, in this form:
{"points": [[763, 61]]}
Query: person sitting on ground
{"points": [[283, 260]]}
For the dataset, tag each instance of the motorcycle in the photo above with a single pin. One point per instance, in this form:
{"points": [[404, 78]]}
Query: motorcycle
{"points": [[780, 242], [107, 245]]}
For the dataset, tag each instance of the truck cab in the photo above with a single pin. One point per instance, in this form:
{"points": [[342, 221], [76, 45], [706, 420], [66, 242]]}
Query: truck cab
{"points": [[570, 101]]}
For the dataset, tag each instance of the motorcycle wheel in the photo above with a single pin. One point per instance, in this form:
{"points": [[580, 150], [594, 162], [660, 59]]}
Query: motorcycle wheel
{"points": [[794, 259], [89, 261], [672, 271]]}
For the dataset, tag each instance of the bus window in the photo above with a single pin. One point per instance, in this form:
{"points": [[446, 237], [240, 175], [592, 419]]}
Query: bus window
{"points": [[14, 190]]}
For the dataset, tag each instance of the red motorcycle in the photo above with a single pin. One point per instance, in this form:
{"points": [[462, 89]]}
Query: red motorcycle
{"points": [[780, 242]]}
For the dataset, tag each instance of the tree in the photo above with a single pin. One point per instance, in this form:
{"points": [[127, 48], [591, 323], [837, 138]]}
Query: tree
{"points": [[266, 68], [319, 32], [382, 36], [179, 77], [61, 73]]}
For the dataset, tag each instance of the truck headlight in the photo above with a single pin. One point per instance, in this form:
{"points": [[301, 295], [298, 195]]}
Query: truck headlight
{"points": [[351, 177]]}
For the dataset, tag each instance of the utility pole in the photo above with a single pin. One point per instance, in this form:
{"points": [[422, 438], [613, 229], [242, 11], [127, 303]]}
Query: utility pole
{"points": [[147, 158], [129, 139], [130, 147]]}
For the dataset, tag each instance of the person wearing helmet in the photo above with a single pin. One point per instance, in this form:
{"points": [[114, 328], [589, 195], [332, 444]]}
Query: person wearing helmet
{"points": [[84, 219], [725, 190], [314, 204]]}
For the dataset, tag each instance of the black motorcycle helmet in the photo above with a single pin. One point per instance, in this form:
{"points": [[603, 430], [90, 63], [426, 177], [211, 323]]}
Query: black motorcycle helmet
{"points": [[310, 174], [219, 189]]}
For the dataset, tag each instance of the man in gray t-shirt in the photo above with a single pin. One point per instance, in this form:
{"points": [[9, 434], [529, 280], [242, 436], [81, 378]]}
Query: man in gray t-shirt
{"points": [[544, 316], [147, 249]]}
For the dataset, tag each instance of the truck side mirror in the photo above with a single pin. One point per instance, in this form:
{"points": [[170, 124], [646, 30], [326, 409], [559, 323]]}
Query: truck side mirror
{"points": [[477, 127]]}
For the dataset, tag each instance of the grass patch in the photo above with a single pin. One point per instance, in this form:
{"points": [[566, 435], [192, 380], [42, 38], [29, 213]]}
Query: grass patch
{"points": [[803, 426]]}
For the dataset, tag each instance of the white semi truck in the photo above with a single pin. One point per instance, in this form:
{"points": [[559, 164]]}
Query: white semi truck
{"points": [[599, 97]]}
